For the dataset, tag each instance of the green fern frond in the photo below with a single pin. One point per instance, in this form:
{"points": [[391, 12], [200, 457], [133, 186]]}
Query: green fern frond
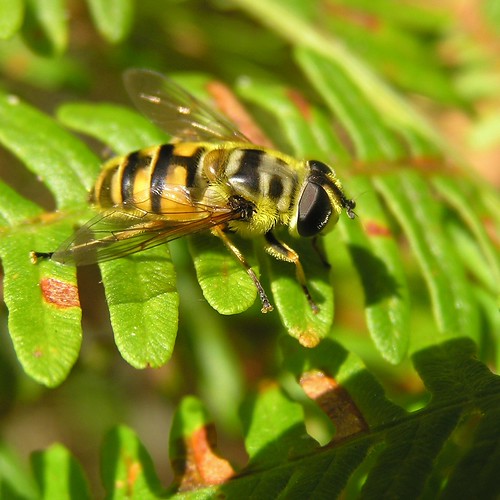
{"points": [[389, 453]]}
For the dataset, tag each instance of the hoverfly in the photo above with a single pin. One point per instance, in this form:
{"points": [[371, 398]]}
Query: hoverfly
{"points": [[209, 178]]}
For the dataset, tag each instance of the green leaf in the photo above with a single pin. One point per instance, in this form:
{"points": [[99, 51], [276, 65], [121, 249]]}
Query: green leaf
{"points": [[308, 129], [190, 416], [398, 451], [295, 311], [46, 26], [113, 18], [44, 308], [459, 198], [350, 373], [489, 314], [127, 470], [63, 163], [411, 442], [11, 17], [274, 428], [143, 304], [476, 473], [319, 47], [226, 285], [419, 214], [372, 138], [386, 296], [451, 369], [322, 475], [15, 208], [59, 475], [120, 128], [402, 469], [43, 302], [400, 47], [192, 448], [377, 258]]}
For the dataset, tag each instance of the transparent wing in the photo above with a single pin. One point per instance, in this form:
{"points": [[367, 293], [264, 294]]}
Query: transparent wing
{"points": [[121, 231], [175, 110], [114, 234]]}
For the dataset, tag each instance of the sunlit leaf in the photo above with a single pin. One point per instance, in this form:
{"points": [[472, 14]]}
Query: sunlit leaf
{"points": [[113, 18], [11, 17], [127, 470], [225, 283], [58, 474], [63, 163], [46, 26], [143, 305]]}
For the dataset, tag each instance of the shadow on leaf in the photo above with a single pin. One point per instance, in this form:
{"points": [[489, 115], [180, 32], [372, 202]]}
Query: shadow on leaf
{"points": [[378, 283]]}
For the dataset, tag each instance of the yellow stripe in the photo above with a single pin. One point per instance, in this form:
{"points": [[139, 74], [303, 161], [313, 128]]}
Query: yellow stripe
{"points": [[186, 148], [142, 198], [176, 202]]}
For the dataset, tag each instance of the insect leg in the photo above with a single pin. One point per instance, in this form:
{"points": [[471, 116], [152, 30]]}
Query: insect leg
{"points": [[281, 251], [320, 251], [266, 305]]}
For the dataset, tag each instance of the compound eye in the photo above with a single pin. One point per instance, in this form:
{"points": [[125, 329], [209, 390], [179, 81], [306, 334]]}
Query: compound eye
{"points": [[314, 210], [319, 167]]}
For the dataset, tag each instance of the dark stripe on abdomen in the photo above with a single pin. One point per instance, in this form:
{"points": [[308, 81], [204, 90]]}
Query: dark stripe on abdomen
{"points": [[191, 164], [248, 172], [132, 162], [159, 174]]}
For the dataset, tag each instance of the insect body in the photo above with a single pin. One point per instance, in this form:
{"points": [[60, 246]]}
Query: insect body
{"points": [[211, 178]]}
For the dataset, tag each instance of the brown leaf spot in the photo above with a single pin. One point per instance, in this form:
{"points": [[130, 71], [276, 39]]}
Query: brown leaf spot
{"points": [[373, 228], [201, 466], [134, 469], [231, 107], [300, 102], [336, 402], [59, 293], [308, 339]]}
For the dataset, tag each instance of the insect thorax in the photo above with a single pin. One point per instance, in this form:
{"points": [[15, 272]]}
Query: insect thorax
{"points": [[267, 180]]}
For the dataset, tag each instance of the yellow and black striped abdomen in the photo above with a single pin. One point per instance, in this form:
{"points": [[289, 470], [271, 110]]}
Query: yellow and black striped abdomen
{"points": [[143, 179], [176, 180]]}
